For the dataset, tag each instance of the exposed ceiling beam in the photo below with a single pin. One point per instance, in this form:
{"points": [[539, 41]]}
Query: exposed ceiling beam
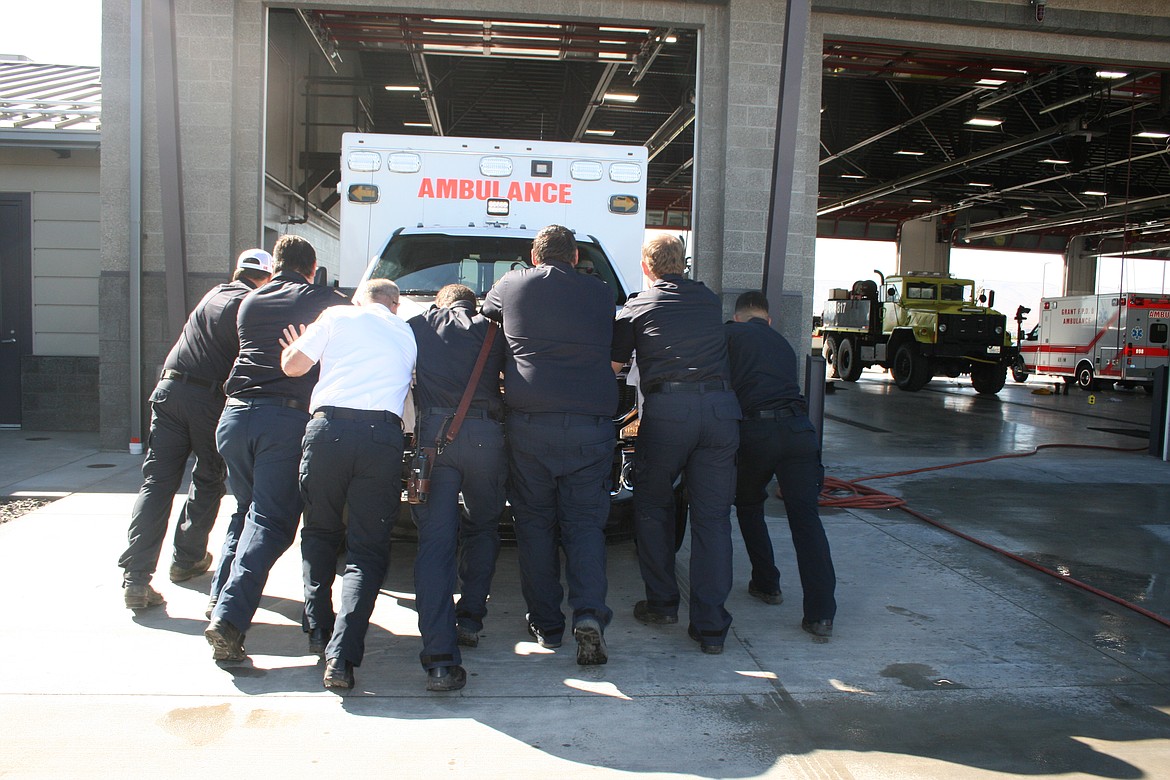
{"points": [[596, 99]]}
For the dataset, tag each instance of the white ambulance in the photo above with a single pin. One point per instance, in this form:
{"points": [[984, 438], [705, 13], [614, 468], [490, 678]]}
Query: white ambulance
{"points": [[427, 211], [1094, 340]]}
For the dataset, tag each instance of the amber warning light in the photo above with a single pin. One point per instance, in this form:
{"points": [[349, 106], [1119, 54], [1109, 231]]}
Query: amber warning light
{"points": [[363, 193]]}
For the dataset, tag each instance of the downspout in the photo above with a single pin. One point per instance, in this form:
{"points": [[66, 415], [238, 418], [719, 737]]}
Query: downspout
{"points": [[135, 237]]}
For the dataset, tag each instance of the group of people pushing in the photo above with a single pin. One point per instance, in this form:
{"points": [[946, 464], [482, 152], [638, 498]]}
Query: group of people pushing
{"points": [[298, 398]]}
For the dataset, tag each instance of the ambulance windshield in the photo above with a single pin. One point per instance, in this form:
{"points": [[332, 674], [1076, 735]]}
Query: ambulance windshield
{"points": [[423, 264]]}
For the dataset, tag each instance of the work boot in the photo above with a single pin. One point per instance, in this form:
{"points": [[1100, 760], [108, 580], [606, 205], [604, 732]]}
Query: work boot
{"points": [[446, 678], [184, 573], [141, 596], [643, 614], [338, 674], [227, 642], [591, 650]]}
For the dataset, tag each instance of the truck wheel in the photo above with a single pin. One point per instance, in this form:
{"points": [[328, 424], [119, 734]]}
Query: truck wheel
{"points": [[911, 369], [1019, 370], [848, 364], [988, 378], [1084, 377], [829, 352]]}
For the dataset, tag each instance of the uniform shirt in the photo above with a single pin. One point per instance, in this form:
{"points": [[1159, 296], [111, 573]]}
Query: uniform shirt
{"points": [[676, 327], [449, 341], [366, 356], [208, 345], [763, 366], [287, 299], [559, 325]]}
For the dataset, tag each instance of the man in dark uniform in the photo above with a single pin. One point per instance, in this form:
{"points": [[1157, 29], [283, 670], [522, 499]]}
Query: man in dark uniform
{"points": [[777, 438], [352, 459], [561, 397], [259, 437], [450, 337], [184, 409], [689, 426]]}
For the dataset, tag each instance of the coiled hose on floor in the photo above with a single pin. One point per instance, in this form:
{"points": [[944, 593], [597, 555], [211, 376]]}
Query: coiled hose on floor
{"points": [[848, 494]]}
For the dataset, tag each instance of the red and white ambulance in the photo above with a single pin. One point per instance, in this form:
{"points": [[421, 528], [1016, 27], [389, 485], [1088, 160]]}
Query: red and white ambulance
{"points": [[1097, 339], [427, 211]]}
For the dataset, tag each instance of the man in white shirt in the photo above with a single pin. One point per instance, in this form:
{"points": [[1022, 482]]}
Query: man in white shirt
{"points": [[352, 455]]}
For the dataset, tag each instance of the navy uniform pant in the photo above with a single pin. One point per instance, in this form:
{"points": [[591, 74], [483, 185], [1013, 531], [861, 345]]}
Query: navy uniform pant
{"points": [[787, 448], [354, 464], [261, 445], [560, 466], [182, 421], [694, 434], [474, 464]]}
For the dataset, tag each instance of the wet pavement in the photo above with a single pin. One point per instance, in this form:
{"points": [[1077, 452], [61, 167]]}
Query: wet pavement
{"points": [[948, 660]]}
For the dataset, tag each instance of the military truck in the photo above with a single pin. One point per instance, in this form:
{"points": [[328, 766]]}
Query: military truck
{"points": [[918, 325]]}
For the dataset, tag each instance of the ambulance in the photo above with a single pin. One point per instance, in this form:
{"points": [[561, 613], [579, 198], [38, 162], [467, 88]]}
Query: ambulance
{"points": [[1095, 340], [428, 211]]}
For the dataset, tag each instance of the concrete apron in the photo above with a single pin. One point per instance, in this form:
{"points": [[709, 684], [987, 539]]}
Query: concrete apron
{"points": [[948, 660]]}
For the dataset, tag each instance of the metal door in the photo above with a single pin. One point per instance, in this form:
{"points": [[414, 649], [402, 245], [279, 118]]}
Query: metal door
{"points": [[15, 300]]}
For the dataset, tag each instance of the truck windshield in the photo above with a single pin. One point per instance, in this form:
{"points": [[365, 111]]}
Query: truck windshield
{"points": [[423, 264], [954, 292]]}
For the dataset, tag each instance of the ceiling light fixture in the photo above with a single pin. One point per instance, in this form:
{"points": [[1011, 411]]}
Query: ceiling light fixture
{"points": [[621, 97], [1111, 74], [1010, 70], [1098, 193], [606, 133], [417, 124], [401, 88], [852, 176], [978, 184], [634, 30], [910, 152], [990, 82], [1054, 161], [1152, 133], [611, 55], [920, 200], [984, 121]]}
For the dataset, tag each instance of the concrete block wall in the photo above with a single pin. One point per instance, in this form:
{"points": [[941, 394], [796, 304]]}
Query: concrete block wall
{"points": [[59, 393]]}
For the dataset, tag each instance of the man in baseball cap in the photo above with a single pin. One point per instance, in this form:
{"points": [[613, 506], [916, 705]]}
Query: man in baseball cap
{"points": [[184, 410]]}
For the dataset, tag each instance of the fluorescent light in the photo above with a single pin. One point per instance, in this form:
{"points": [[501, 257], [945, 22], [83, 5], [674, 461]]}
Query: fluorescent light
{"points": [[636, 30], [1111, 74], [1027, 208], [1054, 161], [985, 121], [920, 200], [991, 82], [611, 55], [978, 184], [1098, 193], [1159, 134], [526, 52], [612, 43], [1009, 70], [620, 97], [910, 152], [401, 88], [606, 133], [852, 176], [417, 124], [457, 21], [671, 39]]}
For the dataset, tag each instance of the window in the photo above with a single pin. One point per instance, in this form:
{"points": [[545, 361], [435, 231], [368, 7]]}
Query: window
{"points": [[920, 291], [1158, 333]]}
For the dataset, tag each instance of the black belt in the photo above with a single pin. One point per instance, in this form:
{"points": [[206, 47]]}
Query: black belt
{"points": [[288, 403], [187, 379], [775, 414], [361, 415], [475, 414], [710, 386]]}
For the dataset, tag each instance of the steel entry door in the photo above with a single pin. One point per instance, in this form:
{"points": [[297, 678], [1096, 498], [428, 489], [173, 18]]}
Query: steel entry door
{"points": [[15, 300]]}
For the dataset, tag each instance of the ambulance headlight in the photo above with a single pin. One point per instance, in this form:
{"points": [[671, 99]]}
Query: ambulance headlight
{"points": [[364, 162], [495, 166], [625, 172], [498, 207], [403, 162], [942, 328], [586, 170]]}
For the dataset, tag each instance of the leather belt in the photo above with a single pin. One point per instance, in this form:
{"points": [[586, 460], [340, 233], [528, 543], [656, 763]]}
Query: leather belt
{"points": [[187, 379], [288, 403], [475, 414], [775, 414], [361, 415], [709, 386]]}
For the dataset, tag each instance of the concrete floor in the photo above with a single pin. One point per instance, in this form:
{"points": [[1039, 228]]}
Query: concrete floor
{"points": [[949, 660]]}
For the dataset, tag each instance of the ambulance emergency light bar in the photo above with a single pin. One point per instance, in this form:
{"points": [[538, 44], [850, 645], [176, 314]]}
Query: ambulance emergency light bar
{"points": [[495, 167]]}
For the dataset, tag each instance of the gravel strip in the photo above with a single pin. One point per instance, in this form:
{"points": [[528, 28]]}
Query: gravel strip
{"points": [[12, 508]]}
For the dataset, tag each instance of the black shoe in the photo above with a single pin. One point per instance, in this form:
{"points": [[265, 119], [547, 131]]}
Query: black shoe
{"points": [[544, 639], [338, 674], [227, 643], [710, 648], [822, 629], [141, 596], [643, 614], [446, 678], [766, 596], [318, 640], [590, 642], [465, 637], [184, 573]]}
